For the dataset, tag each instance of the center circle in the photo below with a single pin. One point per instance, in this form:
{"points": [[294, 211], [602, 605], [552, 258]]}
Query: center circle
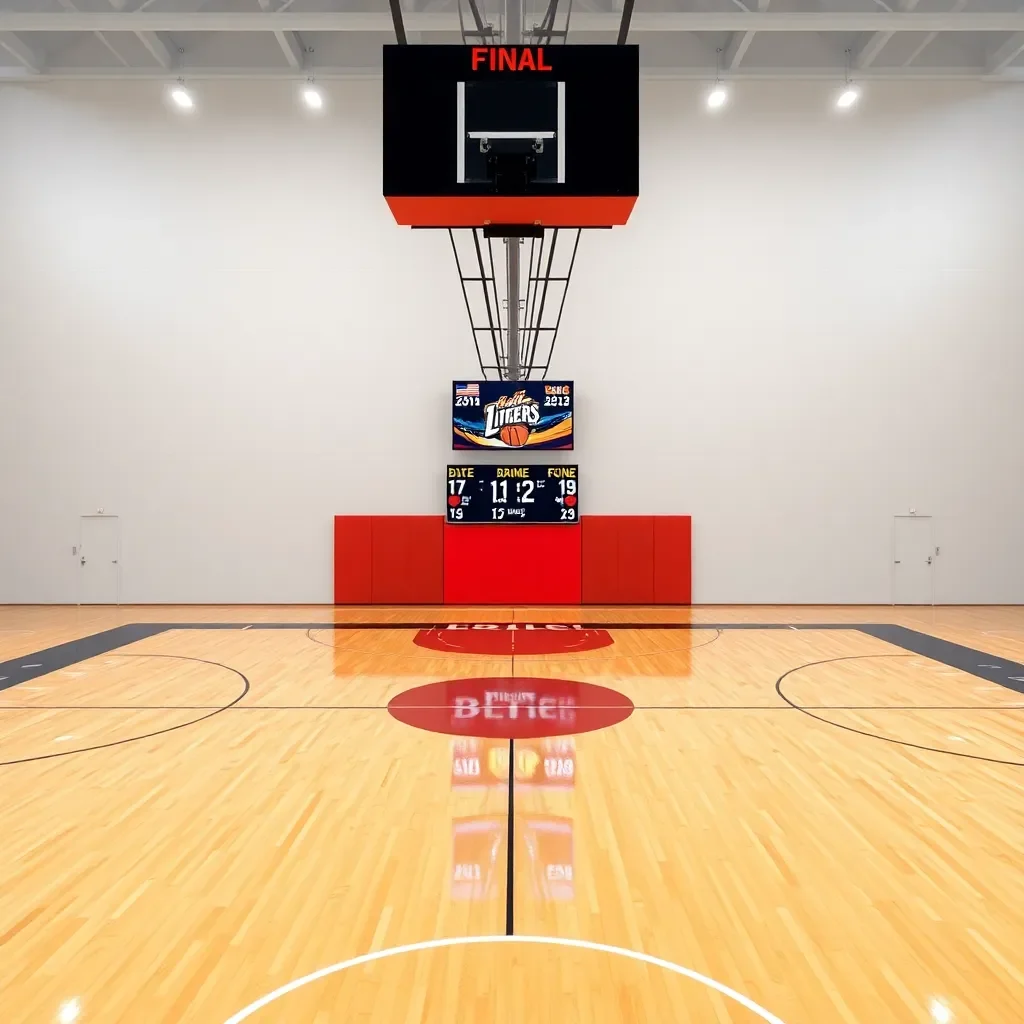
{"points": [[502, 707]]}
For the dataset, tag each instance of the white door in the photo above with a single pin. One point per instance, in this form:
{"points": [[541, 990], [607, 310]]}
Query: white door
{"points": [[912, 555], [99, 557]]}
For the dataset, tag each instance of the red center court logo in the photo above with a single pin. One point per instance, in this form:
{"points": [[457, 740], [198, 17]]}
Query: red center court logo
{"points": [[512, 638], [503, 707]]}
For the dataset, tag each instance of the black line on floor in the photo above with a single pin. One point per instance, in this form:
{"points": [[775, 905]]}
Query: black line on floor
{"points": [[636, 707], [52, 659], [998, 670], [148, 735], [510, 873], [875, 735], [1002, 671]]}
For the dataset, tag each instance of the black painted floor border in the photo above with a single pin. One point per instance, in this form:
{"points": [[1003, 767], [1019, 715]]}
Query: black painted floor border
{"points": [[990, 667]]}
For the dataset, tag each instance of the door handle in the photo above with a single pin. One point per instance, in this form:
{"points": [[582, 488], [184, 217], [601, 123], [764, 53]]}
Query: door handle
{"points": [[929, 559], [83, 559], [897, 562]]}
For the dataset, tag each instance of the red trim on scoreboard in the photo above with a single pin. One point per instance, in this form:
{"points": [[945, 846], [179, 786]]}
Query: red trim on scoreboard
{"points": [[478, 211]]}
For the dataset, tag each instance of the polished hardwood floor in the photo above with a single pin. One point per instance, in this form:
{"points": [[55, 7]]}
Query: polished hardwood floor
{"points": [[845, 846]]}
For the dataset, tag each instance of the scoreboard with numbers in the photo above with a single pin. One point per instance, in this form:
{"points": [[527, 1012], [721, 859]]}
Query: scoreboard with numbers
{"points": [[513, 494]]}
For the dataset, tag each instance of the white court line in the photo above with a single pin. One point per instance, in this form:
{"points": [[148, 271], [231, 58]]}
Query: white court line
{"points": [[244, 628], [473, 940], [33, 665]]}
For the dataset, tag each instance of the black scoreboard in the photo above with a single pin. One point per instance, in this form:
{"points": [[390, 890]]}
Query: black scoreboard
{"points": [[513, 494]]}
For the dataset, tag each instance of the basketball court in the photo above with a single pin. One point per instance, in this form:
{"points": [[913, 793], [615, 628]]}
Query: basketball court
{"points": [[443, 582], [769, 816]]}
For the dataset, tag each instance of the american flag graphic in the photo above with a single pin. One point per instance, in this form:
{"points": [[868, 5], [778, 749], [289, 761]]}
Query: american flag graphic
{"points": [[471, 390]]}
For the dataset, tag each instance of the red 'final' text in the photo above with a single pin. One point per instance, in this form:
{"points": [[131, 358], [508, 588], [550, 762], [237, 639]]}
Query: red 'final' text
{"points": [[509, 58]]}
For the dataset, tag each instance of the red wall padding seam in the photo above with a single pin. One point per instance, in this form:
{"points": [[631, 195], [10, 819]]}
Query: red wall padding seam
{"points": [[388, 560], [673, 567], [352, 560]]}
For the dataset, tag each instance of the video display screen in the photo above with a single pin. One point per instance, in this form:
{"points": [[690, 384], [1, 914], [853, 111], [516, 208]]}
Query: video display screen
{"points": [[535, 415]]}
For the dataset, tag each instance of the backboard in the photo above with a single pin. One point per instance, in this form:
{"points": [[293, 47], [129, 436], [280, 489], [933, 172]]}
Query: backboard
{"points": [[511, 135]]}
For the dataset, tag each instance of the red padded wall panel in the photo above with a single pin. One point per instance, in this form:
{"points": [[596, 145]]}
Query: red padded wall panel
{"points": [[407, 559], [600, 559], [503, 564], [352, 560], [672, 559], [636, 560]]}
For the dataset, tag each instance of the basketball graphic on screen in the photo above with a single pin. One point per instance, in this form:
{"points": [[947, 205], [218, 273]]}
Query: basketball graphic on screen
{"points": [[515, 435]]}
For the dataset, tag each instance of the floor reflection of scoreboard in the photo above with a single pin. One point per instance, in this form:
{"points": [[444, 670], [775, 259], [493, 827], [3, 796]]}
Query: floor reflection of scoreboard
{"points": [[479, 842], [479, 852], [547, 762]]}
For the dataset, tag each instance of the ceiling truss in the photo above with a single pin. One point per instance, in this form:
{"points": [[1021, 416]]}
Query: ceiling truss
{"points": [[44, 39]]}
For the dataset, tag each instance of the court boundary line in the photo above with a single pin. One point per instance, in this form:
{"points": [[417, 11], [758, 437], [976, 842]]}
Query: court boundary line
{"points": [[992, 668], [435, 707], [475, 940]]}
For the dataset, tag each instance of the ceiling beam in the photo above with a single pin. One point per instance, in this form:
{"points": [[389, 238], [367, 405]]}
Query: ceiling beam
{"points": [[160, 51], [1006, 54], [293, 50], [22, 52], [584, 21], [866, 55], [740, 42], [694, 73], [932, 36], [69, 5]]}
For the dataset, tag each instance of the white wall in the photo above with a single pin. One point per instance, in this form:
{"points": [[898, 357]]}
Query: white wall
{"points": [[813, 321]]}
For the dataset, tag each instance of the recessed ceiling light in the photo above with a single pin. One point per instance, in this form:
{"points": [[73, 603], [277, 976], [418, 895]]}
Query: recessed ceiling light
{"points": [[182, 98], [848, 97], [717, 97]]}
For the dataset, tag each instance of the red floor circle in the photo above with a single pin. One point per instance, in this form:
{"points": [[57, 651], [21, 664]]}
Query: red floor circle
{"points": [[512, 638], [502, 707]]}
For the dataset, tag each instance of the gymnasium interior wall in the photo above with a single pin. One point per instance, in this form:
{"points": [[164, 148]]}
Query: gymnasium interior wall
{"points": [[210, 327]]}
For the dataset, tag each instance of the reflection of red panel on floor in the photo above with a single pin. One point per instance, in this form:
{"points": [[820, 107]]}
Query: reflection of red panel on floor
{"points": [[512, 638]]}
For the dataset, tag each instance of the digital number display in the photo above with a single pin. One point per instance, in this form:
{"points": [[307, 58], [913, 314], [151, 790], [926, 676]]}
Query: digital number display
{"points": [[499, 414], [513, 494]]}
